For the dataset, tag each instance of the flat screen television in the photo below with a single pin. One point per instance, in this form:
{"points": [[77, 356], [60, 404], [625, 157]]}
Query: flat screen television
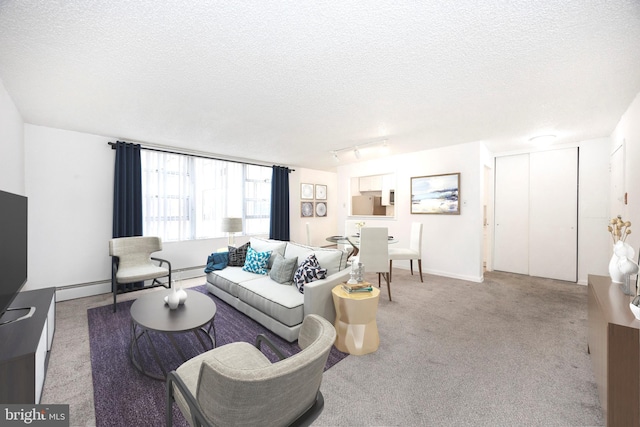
{"points": [[13, 247]]}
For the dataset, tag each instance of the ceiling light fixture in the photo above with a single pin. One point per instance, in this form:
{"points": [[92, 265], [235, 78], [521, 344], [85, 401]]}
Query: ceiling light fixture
{"points": [[384, 148], [542, 139]]}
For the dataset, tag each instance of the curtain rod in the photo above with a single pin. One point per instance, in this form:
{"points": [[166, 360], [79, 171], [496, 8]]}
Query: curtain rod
{"points": [[202, 156]]}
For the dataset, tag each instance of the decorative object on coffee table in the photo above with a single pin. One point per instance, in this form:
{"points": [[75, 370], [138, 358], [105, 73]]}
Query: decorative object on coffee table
{"points": [[182, 295], [147, 320], [173, 299]]}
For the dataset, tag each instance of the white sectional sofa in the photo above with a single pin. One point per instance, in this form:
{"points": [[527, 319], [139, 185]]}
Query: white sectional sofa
{"points": [[281, 307]]}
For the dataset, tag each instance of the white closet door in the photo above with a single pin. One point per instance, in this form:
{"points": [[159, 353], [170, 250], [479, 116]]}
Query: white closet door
{"points": [[553, 214], [511, 231]]}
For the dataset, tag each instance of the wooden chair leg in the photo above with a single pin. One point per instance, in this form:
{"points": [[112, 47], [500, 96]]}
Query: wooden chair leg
{"points": [[387, 277], [411, 264], [390, 268], [420, 268]]}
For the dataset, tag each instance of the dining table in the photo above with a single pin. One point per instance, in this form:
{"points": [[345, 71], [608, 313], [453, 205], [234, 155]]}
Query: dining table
{"points": [[354, 241]]}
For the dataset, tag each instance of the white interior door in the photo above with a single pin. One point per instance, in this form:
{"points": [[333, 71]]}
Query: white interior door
{"points": [[511, 231], [553, 214]]}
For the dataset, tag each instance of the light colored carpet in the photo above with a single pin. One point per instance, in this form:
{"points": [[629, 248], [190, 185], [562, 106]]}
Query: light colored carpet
{"points": [[509, 351]]}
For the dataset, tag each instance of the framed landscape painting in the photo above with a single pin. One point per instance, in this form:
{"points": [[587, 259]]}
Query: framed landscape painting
{"points": [[436, 194]]}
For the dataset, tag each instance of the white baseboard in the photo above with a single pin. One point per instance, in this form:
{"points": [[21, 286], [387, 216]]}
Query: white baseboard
{"points": [[81, 290]]}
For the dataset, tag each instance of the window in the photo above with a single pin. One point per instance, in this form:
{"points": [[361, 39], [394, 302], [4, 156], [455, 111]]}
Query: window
{"points": [[186, 197]]}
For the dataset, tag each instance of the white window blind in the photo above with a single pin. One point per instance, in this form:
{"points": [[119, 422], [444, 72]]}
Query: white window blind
{"points": [[186, 197]]}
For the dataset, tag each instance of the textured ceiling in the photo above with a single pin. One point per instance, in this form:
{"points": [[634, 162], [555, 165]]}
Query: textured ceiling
{"points": [[286, 81]]}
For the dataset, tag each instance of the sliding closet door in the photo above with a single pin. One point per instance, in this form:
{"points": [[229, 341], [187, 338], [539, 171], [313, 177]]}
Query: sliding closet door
{"points": [[511, 239], [553, 214], [536, 211]]}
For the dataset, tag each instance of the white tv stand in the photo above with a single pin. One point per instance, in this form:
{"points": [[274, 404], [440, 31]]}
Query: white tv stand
{"points": [[26, 343]]}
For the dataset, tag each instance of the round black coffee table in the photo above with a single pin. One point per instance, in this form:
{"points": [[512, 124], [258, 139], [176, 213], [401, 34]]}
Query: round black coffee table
{"points": [[150, 313]]}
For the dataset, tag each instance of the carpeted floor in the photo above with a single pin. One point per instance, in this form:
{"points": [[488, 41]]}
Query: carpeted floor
{"points": [[120, 391], [509, 351]]}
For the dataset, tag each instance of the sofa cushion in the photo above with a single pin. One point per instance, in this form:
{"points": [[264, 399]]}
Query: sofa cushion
{"points": [[256, 262], [283, 269], [228, 279], [333, 260], [283, 303], [308, 271], [263, 245], [238, 255]]}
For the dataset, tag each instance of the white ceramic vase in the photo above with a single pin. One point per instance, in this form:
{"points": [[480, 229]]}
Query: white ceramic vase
{"points": [[182, 295], [614, 271], [173, 299]]}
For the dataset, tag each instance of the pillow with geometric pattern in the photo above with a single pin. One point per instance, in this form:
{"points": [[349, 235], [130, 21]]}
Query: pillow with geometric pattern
{"points": [[308, 271], [238, 255], [256, 262]]}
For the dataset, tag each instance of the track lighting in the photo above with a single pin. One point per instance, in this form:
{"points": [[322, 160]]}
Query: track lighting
{"points": [[384, 149]]}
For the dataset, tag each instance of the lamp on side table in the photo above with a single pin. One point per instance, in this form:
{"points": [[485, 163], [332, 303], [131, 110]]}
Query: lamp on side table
{"points": [[232, 226]]}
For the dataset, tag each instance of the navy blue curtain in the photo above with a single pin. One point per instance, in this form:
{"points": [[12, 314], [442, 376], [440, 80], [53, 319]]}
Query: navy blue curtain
{"points": [[127, 191], [279, 229]]}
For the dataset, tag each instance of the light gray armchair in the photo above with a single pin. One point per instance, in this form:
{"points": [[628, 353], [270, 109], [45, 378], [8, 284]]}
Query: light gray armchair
{"points": [[236, 384], [132, 263]]}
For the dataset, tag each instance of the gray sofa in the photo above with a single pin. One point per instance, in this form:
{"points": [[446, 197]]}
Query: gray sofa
{"points": [[281, 308]]}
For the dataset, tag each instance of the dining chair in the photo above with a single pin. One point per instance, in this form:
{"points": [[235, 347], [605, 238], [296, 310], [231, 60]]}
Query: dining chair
{"points": [[414, 251], [374, 253], [350, 229]]}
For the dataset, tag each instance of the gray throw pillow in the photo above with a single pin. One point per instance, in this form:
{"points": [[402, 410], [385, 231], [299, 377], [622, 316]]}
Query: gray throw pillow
{"points": [[283, 269]]}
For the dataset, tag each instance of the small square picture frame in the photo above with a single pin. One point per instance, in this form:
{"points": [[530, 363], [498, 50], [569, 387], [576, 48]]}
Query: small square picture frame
{"points": [[321, 209], [306, 209], [306, 191], [321, 192]]}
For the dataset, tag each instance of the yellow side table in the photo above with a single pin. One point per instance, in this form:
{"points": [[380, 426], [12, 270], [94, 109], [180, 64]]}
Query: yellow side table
{"points": [[355, 323]]}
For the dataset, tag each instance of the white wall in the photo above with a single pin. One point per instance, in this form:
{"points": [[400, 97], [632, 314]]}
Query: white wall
{"points": [[594, 244], [452, 244], [627, 135], [320, 227], [69, 182], [11, 145]]}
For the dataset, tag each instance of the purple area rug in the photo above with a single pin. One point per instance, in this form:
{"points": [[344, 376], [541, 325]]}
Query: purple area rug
{"points": [[125, 397]]}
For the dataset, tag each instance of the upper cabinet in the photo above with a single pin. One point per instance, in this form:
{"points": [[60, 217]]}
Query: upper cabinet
{"points": [[370, 183], [373, 195]]}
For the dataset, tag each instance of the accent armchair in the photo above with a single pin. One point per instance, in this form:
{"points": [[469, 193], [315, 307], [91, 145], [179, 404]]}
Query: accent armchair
{"points": [[236, 384], [132, 263]]}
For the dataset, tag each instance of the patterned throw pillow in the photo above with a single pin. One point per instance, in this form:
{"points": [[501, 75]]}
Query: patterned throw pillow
{"points": [[238, 255], [308, 271], [256, 262], [283, 269]]}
